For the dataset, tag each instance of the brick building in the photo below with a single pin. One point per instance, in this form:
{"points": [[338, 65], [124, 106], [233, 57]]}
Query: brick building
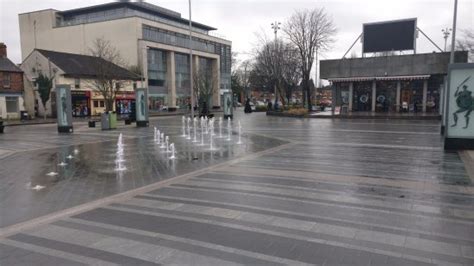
{"points": [[11, 87]]}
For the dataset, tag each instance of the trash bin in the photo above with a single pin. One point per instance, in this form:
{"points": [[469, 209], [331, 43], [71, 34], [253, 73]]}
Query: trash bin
{"points": [[91, 123], [1, 127], [104, 121], [112, 120], [23, 115]]}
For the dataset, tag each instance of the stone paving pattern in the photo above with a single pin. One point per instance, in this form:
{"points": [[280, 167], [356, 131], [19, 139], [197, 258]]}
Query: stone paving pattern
{"points": [[342, 192]]}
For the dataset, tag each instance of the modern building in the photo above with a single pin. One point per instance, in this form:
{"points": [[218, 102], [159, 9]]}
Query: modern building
{"points": [[394, 83], [80, 72], [152, 38], [11, 87]]}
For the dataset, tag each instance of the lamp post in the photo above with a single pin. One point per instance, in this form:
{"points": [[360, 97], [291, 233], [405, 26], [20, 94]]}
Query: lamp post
{"points": [[446, 33], [453, 39], [191, 61], [275, 26]]}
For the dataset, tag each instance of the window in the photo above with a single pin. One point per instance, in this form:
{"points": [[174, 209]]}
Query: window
{"points": [[102, 103], [6, 80], [77, 83], [96, 103], [12, 104]]}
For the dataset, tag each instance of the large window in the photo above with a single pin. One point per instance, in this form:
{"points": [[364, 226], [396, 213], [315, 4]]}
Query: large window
{"points": [[183, 89], [6, 80], [12, 104], [156, 68]]}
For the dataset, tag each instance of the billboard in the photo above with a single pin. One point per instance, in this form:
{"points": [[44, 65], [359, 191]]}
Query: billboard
{"points": [[64, 108], [460, 104], [395, 35]]}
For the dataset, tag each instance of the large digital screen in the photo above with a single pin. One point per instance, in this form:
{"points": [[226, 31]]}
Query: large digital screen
{"points": [[397, 35]]}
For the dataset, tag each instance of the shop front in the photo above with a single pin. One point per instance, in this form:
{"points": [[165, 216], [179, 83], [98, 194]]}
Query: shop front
{"points": [[124, 102], [81, 106]]}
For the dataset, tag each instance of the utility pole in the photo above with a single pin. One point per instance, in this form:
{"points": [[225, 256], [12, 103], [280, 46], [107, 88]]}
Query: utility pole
{"points": [[191, 61], [446, 33], [453, 40], [275, 27]]}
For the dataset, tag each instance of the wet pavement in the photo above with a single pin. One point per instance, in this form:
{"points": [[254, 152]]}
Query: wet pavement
{"points": [[297, 191]]}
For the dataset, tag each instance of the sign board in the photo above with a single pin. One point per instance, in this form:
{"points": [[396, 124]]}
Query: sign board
{"points": [[395, 35], [228, 105], [64, 108], [141, 98], [460, 106]]}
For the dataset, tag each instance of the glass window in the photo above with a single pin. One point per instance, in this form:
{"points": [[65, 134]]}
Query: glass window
{"points": [[157, 67], [101, 103], [6, 80], [77, 83], [12, 104], [96, 103]]}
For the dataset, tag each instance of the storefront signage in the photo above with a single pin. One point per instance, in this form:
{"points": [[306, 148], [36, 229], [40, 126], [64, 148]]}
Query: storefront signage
{"points": [[64, 108], [460, 106], [141, 98]]}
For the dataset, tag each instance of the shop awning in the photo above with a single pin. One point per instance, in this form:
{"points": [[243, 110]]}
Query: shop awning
{"points": [[351, 79]]}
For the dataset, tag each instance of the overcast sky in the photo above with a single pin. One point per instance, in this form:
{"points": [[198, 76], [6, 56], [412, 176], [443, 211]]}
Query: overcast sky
{"points": [[240, 20]]}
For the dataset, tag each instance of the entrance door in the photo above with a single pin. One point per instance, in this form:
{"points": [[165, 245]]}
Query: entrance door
{"points": [[362, 99], [405, 100]]}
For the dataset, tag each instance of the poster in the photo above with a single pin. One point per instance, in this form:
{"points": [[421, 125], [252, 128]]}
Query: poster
{"points": [[64, 108], [228, 104], [141, 104], [460, 106]]}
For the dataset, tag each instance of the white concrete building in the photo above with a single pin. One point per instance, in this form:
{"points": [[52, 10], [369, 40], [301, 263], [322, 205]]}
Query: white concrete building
{"points": [[150, 37], [79, 72]]}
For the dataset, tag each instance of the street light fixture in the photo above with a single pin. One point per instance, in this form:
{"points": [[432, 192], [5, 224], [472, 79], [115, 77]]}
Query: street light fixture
{"points": [[275, 26], [191, 61], [446, 33]]}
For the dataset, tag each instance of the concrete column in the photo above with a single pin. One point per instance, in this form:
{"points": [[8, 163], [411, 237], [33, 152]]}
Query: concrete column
{"points": [[425, 94], [216, 82], [441, 99], [171, 80], [397, 100], [195, 62], [351, 93], [374, 94]]}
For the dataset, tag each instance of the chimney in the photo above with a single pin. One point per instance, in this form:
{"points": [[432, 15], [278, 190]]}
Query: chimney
{"points": [[3, 50]]}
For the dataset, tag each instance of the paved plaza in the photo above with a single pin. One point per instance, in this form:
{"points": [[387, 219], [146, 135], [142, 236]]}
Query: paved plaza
{"points": [[295, 192]]}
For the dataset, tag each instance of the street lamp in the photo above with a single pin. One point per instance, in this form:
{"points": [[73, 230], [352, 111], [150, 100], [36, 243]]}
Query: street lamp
{"points": [[191, 61], [446, 33], [275, 26]]}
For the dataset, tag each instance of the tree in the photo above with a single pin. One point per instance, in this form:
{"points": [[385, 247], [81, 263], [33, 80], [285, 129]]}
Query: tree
{"points": [[311, 31], [106, 82], [204, 88], [467, 43], [45, 84], [290, 71]]}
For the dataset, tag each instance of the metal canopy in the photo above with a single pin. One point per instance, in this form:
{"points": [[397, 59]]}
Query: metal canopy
{"points": [[414, 77]]}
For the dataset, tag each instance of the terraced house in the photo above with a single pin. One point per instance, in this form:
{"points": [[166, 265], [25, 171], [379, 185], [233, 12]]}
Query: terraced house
{"points": [[152, 38]]}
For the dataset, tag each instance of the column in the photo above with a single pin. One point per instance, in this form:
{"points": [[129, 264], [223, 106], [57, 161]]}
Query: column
{"points": [[351, 92], [196, 72], [425, 94], [216, 82], [171, 80], [397, 100], [374, 94], [441, 99]]}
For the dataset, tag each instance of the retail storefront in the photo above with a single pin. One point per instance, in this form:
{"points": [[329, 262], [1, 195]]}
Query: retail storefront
{"points": [[124, 102], [81, 104], [400, 83]]}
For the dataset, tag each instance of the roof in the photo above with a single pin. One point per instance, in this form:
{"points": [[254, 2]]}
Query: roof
{"points": [[141, 6], [413, 77], [8, 66], [76, 65]]}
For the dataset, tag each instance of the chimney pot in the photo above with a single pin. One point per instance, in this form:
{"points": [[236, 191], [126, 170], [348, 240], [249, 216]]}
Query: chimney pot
{"points": [[3, 50]]}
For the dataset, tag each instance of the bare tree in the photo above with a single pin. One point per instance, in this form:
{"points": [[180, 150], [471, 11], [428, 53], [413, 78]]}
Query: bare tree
{"points": [[106, 80], [290, 71], [204, 87], [467, 43], [311, 31]]}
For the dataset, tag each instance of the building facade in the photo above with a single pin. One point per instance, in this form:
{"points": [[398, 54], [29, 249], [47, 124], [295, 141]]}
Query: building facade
{"points": [[150, 37], [397, 83], [79, 72], [11, 87]]}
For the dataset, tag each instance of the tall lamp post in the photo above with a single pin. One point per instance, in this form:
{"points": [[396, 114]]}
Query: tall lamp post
{"points": [[446, 33], [275, 27], [191, 61]]}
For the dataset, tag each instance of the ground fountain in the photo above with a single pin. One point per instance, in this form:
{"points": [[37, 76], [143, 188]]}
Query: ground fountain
{"points": [[229, 130], [158, 137], [167, 140], [119, 166], [162, 136], [183, 126], [195, 129], [188, 136], [220, 127], [239, 127], [173, 152]]}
